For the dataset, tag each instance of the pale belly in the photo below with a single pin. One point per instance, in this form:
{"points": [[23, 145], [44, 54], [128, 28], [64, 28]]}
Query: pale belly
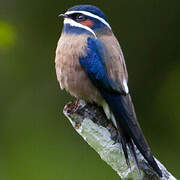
{"points": [[70, 74]]}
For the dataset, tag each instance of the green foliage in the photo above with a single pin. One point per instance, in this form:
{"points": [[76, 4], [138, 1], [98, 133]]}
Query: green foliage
{"points": [[7, 35]]}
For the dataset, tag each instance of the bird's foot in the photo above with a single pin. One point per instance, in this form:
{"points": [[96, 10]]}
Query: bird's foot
{"points": [[72, 107], [76, 105]]}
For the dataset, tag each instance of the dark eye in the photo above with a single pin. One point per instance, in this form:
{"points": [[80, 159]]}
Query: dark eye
{"points": [[80, 18]]}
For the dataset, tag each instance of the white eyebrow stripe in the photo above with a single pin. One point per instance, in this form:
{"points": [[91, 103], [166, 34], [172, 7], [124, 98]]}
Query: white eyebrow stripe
{"points": [[91, 15], [74, 23]]}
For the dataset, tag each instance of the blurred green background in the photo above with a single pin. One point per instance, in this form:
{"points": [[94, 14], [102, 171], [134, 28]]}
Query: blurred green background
{"points": [[36, 140]]}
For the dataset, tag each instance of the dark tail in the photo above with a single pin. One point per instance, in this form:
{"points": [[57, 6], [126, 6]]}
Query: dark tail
{"points": [[123, 110]]}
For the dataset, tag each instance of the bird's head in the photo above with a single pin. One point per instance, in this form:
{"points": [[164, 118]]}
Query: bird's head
{"points": [[85, 19]]}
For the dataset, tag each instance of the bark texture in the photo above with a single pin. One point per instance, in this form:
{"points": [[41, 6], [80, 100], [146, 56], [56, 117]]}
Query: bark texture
{"points": [[91, 123]]}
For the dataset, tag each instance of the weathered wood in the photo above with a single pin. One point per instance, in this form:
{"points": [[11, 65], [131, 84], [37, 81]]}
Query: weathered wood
{"points": [[91, 123]]}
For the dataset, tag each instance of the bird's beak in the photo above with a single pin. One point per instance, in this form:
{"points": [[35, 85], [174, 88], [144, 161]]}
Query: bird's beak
{"points": [[63, 15]]}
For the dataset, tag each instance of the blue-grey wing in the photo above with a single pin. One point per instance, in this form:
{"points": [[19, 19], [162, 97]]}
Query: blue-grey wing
{"points": [[115, 63], [103, 76], [106, 70]]}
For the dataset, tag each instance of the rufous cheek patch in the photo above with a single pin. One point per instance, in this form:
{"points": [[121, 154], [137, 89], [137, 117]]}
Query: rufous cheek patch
{"points": [[88, 23]]}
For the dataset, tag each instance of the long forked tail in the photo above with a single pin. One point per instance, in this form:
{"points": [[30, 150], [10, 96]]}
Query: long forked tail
{"points": [[123, 110], [127, 141]]}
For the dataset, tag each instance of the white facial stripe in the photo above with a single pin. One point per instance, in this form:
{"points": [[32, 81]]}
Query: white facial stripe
{"points": [[74, 23], [91, 15]]}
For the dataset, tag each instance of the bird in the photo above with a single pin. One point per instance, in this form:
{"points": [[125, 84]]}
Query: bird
{"points": [[90, 65]]}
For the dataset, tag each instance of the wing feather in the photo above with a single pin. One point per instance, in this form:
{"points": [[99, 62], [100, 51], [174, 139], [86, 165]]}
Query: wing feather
{"points": [[108, 73], [115, 63]]}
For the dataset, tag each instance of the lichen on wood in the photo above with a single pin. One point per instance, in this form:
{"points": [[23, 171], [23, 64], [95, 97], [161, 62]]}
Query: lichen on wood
{"points": [[91, 123]]}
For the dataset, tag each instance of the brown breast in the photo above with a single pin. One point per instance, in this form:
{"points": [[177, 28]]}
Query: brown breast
{"points": [[69, 72]]}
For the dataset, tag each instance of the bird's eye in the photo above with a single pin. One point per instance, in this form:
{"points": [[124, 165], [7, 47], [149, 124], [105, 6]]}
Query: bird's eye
{"points": [[80, 18]]}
